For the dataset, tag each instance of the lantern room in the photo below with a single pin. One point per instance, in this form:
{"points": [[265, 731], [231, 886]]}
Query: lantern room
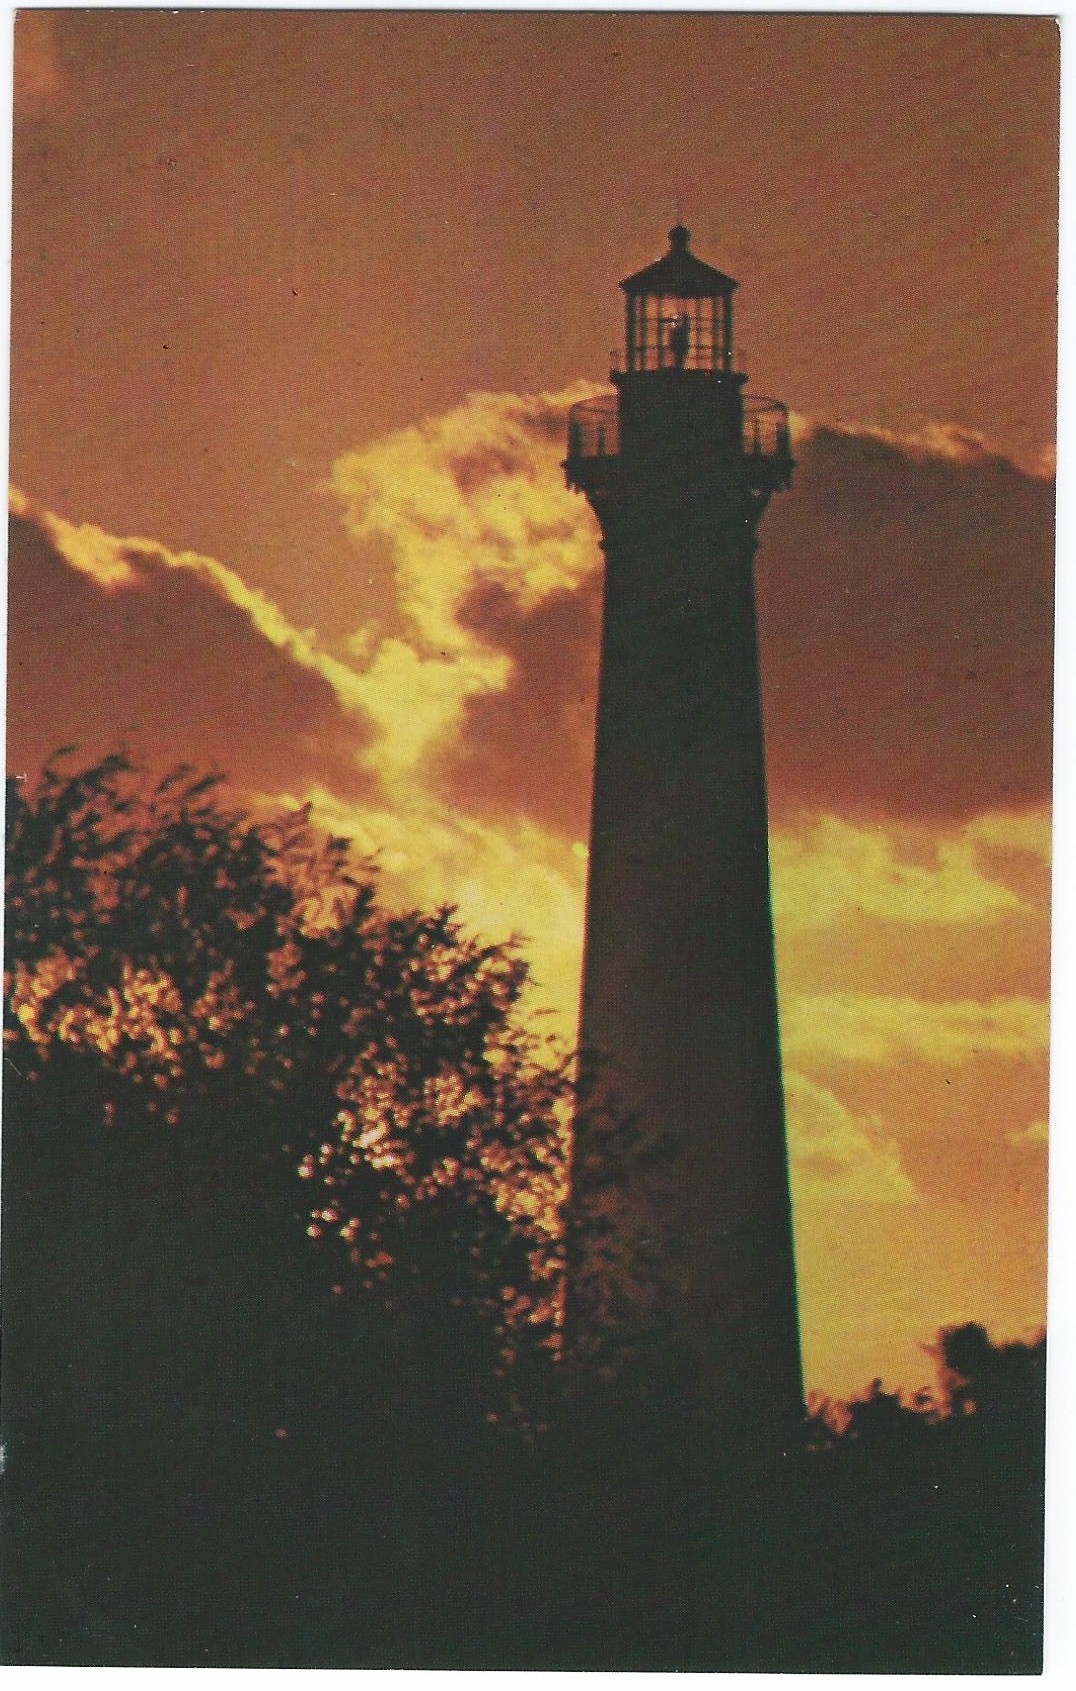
{"points": [[679, 313]]}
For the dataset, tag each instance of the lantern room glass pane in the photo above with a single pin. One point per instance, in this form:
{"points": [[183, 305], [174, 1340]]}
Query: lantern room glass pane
{"points": [[678, 332]]}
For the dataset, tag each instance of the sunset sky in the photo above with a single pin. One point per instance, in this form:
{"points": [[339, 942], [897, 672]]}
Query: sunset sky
{"points": [[299, 304]]}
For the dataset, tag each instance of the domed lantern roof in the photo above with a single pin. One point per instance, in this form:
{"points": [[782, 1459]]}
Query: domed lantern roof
{"points": [[679, 313], [680, 273]]}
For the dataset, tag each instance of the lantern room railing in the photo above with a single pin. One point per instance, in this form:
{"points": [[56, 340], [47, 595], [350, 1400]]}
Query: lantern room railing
{"points": [[594, 428]]}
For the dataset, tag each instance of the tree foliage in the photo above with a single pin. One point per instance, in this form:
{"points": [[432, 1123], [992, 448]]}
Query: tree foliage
{"points": [[176, 971], [1001, 1385]]}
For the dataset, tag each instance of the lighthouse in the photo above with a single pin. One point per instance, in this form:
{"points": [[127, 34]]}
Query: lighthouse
{"points": [[679, 1020]]}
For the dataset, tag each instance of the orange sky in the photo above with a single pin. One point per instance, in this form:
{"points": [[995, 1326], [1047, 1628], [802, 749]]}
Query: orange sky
{"points": [[260, 262]]}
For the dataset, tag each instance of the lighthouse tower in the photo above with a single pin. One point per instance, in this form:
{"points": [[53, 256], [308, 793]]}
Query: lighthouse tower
{"points": [[679, 1014]]}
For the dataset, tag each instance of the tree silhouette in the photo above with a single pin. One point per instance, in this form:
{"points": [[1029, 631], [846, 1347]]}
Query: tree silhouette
{"points": [[1003, 1385], [209, 1022]]}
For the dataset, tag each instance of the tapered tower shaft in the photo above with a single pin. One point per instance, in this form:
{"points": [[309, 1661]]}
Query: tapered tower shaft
{"points": [[679, 1015]]}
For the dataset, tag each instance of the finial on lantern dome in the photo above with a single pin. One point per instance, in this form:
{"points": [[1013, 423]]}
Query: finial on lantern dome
{"points": [[679, 238]]}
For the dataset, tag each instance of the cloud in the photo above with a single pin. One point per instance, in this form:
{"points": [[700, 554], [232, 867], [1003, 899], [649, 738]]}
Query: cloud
{"points": [[905, 608], [826, 869], [930, 441], [505, 879], [905, 611], [122, 642], [1014, 833], [453, 731], [114, 564], [467, 524], [837, 1155], [874, 1028], [1036, 1133], [529, 748]]}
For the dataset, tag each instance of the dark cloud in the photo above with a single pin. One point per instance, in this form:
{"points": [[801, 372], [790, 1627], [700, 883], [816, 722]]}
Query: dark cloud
{"points": [[530, 749], [905, 607], [166, 665], [906, 618]]}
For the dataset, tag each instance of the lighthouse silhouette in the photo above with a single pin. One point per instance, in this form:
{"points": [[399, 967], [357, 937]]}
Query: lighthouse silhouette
{"points": [[679, 1024]]}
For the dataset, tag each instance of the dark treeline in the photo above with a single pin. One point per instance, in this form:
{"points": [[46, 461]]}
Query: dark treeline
{"points": [[283, 1278]]}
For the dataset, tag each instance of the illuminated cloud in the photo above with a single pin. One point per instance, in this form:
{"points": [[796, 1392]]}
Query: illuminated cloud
{"points": [[905, 607], [417, 701], [836, 1154], [872, 1028], [474, 496], [131, 563], [452, 734], [453, 510], [931, 441], [122, 643], [1014, 833], [1036, 1133], [82, 546], [506, 880], [826, 869]]}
